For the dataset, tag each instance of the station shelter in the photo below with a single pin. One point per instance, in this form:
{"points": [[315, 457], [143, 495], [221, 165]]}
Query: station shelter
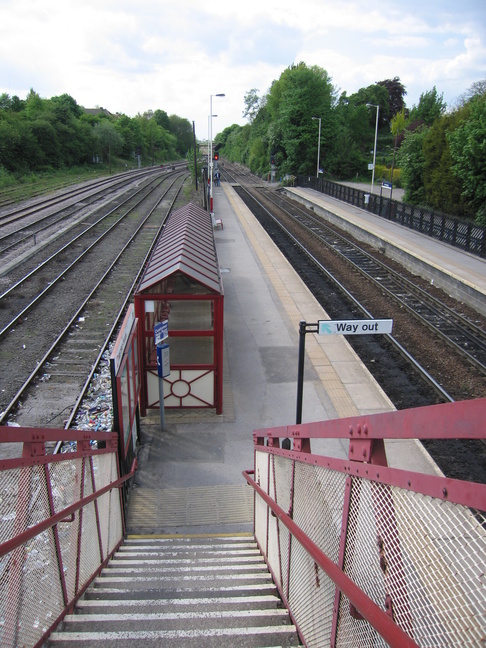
{"points": [[182, 286]]}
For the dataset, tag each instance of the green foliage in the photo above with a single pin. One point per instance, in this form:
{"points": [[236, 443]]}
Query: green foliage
{"points": [[181, 129], [300, 93], [252, 104], [374, 95], [383, 172], [443, 189], [468, 151], [431, 106], [411, 160], [41, 134]]}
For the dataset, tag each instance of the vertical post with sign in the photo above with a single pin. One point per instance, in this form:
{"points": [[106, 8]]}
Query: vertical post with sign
{"points": [[334, 327], [161, 333]]}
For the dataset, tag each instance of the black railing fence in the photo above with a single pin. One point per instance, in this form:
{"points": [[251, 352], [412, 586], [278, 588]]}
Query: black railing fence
{"points": [[460, 233]]}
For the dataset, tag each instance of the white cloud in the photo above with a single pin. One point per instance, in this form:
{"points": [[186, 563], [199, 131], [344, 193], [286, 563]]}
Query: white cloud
{"points": [[134, 56]]}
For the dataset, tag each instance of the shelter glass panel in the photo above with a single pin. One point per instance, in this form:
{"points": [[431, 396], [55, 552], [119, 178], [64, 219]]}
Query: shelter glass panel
{"points": [[191, 350], [189, 315]]}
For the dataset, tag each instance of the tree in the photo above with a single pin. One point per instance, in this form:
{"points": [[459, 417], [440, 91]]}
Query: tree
{"points": [[66, 108], [377, 95], [252, 104], [478, 88], [443, 189], [34, 105], [131, 134], [396, 92], [300, 93], [468, 150], [162, 119], [411, 160], [398, 124], [182, 130], [108, 139], [431, 106]]}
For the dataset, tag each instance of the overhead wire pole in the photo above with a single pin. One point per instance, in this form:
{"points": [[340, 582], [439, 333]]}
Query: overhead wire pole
{"points": [[221, 94]]}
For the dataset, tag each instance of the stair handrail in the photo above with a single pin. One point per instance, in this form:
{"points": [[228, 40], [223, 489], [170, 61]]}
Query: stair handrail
{"points": [[284, 475], [33, 489]]}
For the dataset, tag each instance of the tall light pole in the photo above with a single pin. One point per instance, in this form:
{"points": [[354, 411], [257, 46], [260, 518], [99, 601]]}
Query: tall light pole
{"points": [[211, 149], [376, 136], [318, 145]]}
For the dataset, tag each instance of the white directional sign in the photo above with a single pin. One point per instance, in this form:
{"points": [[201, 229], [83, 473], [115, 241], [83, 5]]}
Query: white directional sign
{"points": [[161, 331], [355, 327]]}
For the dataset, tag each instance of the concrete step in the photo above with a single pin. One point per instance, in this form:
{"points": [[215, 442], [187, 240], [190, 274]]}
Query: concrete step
{"points": [[250, 638], [182, 591]]}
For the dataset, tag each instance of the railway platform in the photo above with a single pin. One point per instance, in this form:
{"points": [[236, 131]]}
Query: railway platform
{"points": [[460, 274], [189, 475], [358, 552]]}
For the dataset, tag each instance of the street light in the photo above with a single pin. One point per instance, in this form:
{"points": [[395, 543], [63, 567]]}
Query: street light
{"points": [[318, 145], [376, 135], [211, 149]]}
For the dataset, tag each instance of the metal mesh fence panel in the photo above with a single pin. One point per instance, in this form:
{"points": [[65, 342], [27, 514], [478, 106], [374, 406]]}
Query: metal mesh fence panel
{"points": [[420, 559], [41, 576]]}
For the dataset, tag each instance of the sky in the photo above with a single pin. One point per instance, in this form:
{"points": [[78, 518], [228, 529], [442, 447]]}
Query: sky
{"points": [[132, 56]]}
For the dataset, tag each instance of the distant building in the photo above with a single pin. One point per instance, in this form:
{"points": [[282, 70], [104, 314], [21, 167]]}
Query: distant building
{"points": [[95, 112]]}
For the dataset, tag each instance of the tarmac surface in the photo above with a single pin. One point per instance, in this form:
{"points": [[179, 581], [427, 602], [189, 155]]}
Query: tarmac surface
{"points": [[189, 477]]}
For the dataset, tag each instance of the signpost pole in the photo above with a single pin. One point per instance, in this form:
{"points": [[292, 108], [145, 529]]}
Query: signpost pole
{"points": [[300, 372], [161, 403], [333, 327]]}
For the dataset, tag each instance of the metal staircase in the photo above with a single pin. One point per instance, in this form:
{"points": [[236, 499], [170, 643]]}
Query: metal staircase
{"points": [[181, 591]]}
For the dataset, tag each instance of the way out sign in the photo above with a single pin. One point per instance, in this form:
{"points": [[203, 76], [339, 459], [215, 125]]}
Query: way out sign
{"points": [[355, 327]]}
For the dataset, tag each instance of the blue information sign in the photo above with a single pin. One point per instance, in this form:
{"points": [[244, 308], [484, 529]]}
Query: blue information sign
{"points": [[161, 331]]}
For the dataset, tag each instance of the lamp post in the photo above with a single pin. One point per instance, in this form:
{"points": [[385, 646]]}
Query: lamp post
{"points": [[318, 145], [374, 149], [211, 149]]}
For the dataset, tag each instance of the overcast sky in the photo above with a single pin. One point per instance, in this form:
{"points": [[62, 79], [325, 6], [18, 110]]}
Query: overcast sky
{"points": [[131, 56]]}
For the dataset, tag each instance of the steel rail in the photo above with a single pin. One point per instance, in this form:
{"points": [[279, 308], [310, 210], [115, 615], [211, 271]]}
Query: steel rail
{"points": [[117, 321], [31, 230], [445, 316], [399, 348], [111, 181], [77, 260], [8, 409]]}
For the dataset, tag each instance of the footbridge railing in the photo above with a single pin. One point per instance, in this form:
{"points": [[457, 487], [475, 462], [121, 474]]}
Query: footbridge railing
{"points": [[368, 555], [61, 519]]}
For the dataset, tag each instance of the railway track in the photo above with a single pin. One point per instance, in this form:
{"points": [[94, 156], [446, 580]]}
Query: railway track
{"points": [[327, 247], [458, 332], [414, 366], [57, 318], [30, 224]]}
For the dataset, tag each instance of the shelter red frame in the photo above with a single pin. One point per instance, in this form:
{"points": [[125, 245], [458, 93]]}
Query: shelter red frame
{"points": [[182, 284], [125, 380]]}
